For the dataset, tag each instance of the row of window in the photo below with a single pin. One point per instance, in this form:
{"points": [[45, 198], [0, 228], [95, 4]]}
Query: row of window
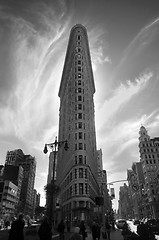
{"points": [[79, 106], [79, 116], [151, 156], [150, 149], [76, 204], [150, 144], [76, 189], [77, 173], [80, 146], [80, 135]]}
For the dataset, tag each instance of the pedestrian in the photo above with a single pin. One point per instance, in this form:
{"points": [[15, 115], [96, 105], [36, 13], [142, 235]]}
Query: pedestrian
{"points": [[108, 229], [16, 231], [83, 230], [126, 232], [103, 231], [94, 230], [7, 224], [61, 229], [44, 231], [68, 225], [145, 232], [98, 231], [76, 235]]}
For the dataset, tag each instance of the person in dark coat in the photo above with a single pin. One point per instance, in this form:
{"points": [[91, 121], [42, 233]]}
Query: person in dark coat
{"points": [[76, 235], [61, 229], [44, 231], [83, 230], [108, 229], [98, 231], [16, 231], [94, 230], [145, 232]]}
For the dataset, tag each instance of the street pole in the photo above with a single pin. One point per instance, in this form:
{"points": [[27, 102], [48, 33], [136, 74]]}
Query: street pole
{"points": [[54, 147]]}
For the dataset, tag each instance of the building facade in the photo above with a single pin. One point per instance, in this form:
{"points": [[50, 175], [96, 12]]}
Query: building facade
{"points": [[77, 169], [8, 199], [149, 157], [28, 163]]}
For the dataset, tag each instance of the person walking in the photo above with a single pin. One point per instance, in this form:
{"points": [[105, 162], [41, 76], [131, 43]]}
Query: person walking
{"points": [[83, 230], [108, 229], [16, 231], [44, 231], [98, 231], [76, 235], [94, 230], [61, 229], [145, 232]]}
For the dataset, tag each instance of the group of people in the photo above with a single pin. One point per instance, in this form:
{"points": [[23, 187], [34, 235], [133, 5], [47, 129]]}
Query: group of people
{"points": [[45, 231]]}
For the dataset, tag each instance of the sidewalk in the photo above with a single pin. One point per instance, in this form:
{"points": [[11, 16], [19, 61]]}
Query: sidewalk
{"points": [[114, 235]]}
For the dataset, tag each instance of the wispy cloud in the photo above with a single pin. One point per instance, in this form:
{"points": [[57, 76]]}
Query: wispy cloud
{"points": [[98, 46], [121, 97]]}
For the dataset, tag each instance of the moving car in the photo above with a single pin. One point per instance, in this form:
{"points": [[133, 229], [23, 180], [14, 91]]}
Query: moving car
{"points": [[120, 223]]}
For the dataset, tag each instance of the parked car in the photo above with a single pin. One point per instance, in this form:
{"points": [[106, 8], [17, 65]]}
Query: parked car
{"points": [[120, 223], [154, 224], [136, 222]]}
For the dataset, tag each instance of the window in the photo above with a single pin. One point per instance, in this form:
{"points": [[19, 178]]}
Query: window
{"points": [[80, 125], [78, 37], [80, 135], [76, 146], [79, 75], [79, 69], [79, 115], [71, 176], [74, 204], [80, 172], [71, 191], [79, 106], [75, 159], [79, 90], [86, 173], [86, 188], [80, 159], [79, 82], [80, 146], [75, 189], [80, 98], [75, 136], [80, 188], [75, 173], [79, 62]]}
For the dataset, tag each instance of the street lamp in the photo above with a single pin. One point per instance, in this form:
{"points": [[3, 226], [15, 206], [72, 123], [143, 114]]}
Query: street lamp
{"points": [[54, 146]]}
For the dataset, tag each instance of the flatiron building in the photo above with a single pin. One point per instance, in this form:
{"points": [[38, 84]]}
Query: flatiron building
{"points": [[77, 169]]}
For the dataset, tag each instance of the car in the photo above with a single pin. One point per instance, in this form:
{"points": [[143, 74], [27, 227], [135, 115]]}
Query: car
{"points": [[136, 222], [154, 224], [120, 223]]}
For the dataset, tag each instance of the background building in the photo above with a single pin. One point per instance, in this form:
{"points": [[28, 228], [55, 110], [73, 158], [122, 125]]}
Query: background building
{"points": [[28, 164]]}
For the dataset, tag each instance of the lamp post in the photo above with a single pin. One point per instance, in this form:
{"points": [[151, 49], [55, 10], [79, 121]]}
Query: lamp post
{"points": [[54, 146]]}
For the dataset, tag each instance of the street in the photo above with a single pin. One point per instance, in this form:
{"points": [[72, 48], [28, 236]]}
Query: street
{"points": [[115, 235]]}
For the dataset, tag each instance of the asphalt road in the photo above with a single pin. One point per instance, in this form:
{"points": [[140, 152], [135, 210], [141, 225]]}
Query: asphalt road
{"points": [[115, 235]]}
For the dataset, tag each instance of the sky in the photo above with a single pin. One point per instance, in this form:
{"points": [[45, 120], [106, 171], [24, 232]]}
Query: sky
{"points": [[124, 45]]}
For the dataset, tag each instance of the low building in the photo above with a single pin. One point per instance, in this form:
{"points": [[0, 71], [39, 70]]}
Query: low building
{"points": [[8, 198]]}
